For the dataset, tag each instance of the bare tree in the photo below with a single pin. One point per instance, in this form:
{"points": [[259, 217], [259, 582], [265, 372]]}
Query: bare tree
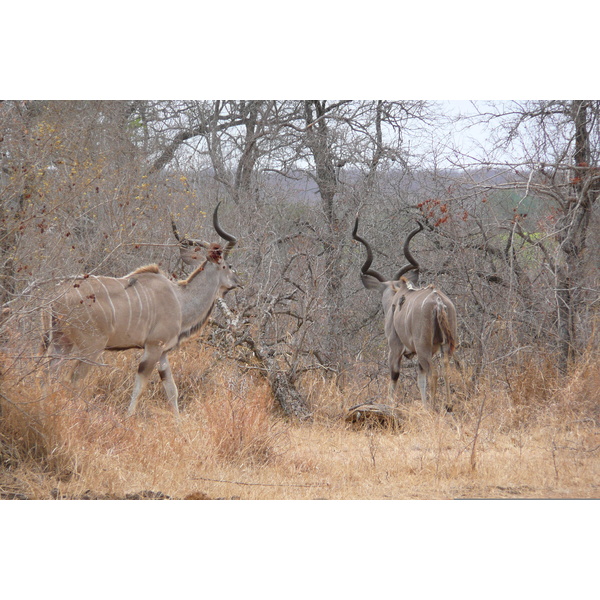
{"points": [[525, 214], [560, 143], [243, 143]]}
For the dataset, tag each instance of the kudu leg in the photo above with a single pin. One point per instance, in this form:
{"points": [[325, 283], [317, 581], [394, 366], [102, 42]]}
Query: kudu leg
{"points": [[422, 383], [164, 370], [145, 368], [87, 356], [446, 380], [81, 369], [427, 377], [394, 360], [394, 375], [59, 349], [55, 366]]}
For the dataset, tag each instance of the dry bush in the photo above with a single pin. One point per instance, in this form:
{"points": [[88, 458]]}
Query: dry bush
{"points": [[85, 439], [538, 438], [534, 390], [240, 424], [581, 392], [532, 382], [325, 399]]}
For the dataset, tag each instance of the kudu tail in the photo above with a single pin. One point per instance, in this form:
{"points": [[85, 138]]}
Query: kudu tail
{"points": [[448, 344], [441, 314]]}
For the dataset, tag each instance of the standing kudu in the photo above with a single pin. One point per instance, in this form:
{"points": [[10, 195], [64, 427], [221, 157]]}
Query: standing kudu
{"points": [[417, 321], [141, 310]]}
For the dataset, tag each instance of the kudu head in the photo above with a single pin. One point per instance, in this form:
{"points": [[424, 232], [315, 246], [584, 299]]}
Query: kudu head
{"points": [[191, 252], [374, 280]]}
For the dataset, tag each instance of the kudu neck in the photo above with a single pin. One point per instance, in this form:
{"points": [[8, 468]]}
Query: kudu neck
{"points": [[198, 293]]}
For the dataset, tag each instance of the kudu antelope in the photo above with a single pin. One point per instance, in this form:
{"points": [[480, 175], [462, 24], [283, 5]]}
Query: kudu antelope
{"points": [[418, 321], [141, 310]]}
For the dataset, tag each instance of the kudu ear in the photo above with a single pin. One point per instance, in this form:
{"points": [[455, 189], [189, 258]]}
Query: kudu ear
{"points": [[412, 276], [372, 283], [191, 255], [189, 250]]}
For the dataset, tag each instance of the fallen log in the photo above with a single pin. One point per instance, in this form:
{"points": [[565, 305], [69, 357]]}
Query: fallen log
{"points": [[372, 414]]}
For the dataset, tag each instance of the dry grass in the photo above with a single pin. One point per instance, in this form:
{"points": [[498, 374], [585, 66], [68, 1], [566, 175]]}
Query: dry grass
{"points": [[527, 435]]}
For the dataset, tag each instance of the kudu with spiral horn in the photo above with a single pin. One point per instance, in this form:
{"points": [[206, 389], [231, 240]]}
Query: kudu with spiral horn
{"points": [[143, 310], [417, 321]]}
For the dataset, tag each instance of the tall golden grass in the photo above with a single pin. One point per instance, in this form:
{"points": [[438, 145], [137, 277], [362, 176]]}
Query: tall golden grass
{"points": [[523, 433]]}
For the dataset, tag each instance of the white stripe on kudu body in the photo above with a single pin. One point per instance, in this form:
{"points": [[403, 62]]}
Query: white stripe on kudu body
{"points": [[112, 306], [93, 314], [418, 322], [129, 306]]}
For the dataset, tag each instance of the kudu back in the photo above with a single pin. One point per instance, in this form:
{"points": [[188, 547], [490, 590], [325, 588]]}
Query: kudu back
{"points": [[143, 310], [417, 321]]}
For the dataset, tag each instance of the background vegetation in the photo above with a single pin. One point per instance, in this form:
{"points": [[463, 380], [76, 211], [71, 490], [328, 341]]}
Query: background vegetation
{"points": [[511, 236]]}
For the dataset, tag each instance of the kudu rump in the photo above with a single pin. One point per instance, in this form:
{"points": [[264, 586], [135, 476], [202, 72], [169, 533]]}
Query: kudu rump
{"points": [[141, 310], [418, 321]]}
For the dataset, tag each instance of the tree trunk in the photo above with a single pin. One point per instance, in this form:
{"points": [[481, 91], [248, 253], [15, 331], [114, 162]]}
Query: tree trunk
{"points": [[282, 386], [319, 143], [574, 226], [284, 391]]}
